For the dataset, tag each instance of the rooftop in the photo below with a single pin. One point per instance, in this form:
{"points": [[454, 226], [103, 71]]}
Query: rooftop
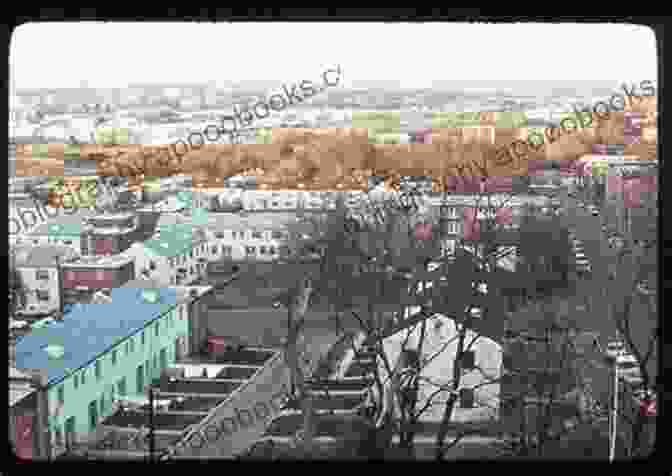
{"points": [[182, 293], [288, 425], [174, 240], [89, 331], [234, 221], [100, 261], [194, 386], [62, 224], [162, 420], [246, 357], [43, 256]]}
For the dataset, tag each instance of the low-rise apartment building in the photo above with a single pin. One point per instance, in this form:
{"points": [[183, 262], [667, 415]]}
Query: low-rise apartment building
{"points": [[62, 229], [39, 270], [176, 255], [104, 352], [88, 274]]}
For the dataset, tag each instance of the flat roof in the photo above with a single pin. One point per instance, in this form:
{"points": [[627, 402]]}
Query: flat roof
{"points": [[192, 404], [242, 373], [89, 331], [332, 402], [242, 357], [335, 426], [100, 261], [43, 256], [162, 420], [342, 385], [192, 386]]}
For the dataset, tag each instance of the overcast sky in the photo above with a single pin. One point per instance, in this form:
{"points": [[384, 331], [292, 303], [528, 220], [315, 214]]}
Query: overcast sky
{"points": [[411, 55]]}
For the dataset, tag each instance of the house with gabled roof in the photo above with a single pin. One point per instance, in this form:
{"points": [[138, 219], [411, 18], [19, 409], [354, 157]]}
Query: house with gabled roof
{"points": [[177, 254], [39, 270]]}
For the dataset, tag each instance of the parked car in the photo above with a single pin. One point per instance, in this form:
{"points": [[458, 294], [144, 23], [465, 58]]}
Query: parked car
{"points": [[643, 287], [628, 368], [583, 267], [615, 348]]}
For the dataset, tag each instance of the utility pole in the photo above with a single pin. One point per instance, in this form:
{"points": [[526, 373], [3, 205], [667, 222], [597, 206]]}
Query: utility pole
{"points": [[614, 415], [151, 423]]}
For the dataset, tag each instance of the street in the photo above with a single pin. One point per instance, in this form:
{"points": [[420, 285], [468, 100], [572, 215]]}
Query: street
{"points": [[591, 290]]}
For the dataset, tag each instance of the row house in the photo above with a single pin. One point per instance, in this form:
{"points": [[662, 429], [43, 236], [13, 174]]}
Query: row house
{"points": [[62, 230], [460, 212], [83, 277], [175, 255], [39, 271], [263, 200], [262, 236], [106, 353]]}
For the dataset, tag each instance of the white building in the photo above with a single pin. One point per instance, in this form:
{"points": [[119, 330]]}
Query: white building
{"points": [[478, 398], [38, 267], [176, 255]]}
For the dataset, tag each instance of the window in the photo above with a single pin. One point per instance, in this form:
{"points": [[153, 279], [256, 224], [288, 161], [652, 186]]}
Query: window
{"points": [[213, 250], [250, 250], [142, 338], [191, 270], [452, 212], [42, 274], [227, 250], [126, 348], [42, 294], [271, 250], [466, 398], [61, 395], [451, 227], [277, 235], [131, 345], [58, 436], [262, 250], [181, 313], [114, 357], [171, 262], [257, 235], [76, 381], [121, 387], [156, 329], [468, 360], [83, 379], [97, 370]]}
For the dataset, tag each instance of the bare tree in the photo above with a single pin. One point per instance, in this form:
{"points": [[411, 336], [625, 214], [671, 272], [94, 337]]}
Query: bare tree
{"points": [[546, 394], [631, 296]]}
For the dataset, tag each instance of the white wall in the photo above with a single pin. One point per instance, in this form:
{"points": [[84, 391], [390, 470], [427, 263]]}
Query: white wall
{"points": [[488, 358], [32, 284]]}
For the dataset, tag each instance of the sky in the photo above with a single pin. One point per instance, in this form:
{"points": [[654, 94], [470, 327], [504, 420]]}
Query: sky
{"points": [[410, 55]]}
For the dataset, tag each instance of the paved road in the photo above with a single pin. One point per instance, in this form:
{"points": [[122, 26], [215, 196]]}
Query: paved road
{"points": [[593, 291]]}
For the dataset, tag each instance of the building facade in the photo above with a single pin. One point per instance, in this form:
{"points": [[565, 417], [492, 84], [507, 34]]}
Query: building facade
{"points": [[108, 234], [479, 389], [176, 255], [128, 343], [39, 271], [88, 274]]}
